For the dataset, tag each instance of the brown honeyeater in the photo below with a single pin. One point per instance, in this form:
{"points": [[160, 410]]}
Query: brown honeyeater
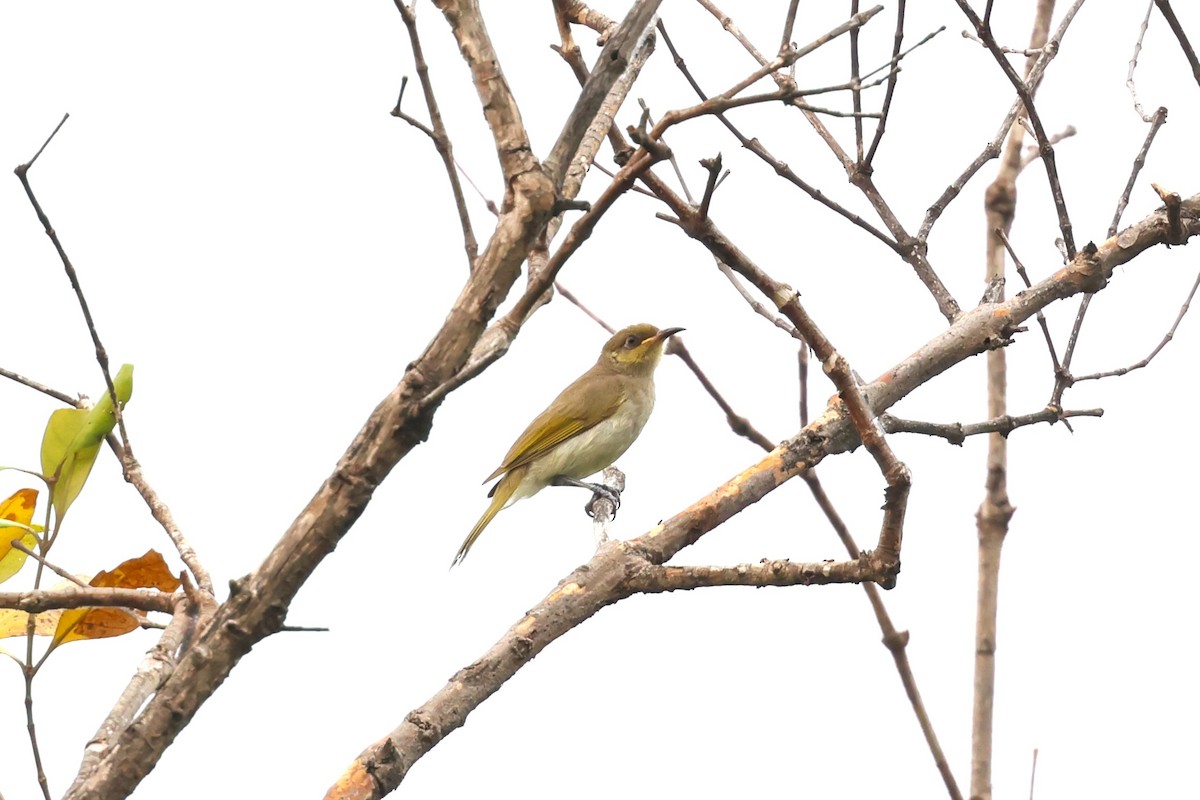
{"points": [[587, 427]]}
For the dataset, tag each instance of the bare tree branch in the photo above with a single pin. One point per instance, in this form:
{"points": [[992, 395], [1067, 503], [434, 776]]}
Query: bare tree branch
{"points": [[957, 432], [258, 604], [606, 578], [995, 511], [437, 130], [905, 245], [36, 601], [992, 149], [1039, 131], [62, 397], [1168, 13], [613, 60]]}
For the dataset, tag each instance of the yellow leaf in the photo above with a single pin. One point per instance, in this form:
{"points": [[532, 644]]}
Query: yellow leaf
{"points": [[72, 441], [17, 508], [15, 623]]}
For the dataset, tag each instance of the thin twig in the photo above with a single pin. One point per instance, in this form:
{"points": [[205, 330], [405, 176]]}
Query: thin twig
{"points": [[1033, 153], [789, 24], [1041, 318], [62, 397], [992, 149], [674, 161], [1133, 62], [755, 305], [31, 727], [781, 168], [1029, 52], [22, 172], [737, 423], [856, 90], [1039, 131], [130, 466], [957, 432], [900, 240], [1168, 13], [898, 40], [437, 131], [17, 544], [1062, 376], [1165, 340], [1156, 120], [570, 297]]}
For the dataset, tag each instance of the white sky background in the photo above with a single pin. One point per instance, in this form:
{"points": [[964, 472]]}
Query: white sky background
{"points": [[270, 248]]}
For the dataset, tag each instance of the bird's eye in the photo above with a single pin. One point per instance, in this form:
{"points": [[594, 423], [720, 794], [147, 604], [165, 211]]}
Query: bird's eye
{"points": [[632, 341]]}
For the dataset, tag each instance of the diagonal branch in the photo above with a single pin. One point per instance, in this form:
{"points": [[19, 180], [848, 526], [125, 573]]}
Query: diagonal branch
{"points": [[258, 603], [612, 62], [513, 150], [617, 568], [62, 397], [1164, 6]]}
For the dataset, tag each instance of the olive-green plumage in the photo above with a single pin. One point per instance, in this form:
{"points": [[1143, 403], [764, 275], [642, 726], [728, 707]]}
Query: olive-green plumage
{"points": [[587, 427]]}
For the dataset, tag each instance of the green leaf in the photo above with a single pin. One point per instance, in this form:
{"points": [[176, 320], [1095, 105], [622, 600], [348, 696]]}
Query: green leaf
{"points": [[72, 442]]}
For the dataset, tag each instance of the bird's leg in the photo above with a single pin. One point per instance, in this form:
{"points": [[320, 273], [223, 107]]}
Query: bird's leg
{"points": [[598, 490]]}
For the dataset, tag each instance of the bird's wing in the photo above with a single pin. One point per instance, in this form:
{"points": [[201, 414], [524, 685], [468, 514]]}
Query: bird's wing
{"points": [[556, 425]]}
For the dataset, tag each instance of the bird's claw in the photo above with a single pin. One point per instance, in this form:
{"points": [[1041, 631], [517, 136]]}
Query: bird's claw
{"points": [[602, 492]]}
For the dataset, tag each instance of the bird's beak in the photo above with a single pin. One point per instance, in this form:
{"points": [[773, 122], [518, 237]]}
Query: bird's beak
{"points": [[666, 333]]}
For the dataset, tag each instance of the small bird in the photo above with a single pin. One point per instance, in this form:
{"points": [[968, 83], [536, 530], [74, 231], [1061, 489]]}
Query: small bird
{"points": [[587, 427]]}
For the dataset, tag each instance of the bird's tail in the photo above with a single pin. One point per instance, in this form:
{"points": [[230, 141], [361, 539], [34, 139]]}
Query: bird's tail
{"points": [[500, 495]]}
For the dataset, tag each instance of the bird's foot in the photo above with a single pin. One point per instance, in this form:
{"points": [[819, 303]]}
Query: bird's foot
{"points": [[602, 492]]}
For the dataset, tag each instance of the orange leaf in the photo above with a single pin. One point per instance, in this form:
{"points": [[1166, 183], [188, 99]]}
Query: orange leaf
{"points": [[93, 623], [148, 571], [144, 572]]}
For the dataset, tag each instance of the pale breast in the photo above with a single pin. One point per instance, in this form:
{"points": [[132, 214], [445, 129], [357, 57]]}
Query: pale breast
{"points": [[598, 447]]}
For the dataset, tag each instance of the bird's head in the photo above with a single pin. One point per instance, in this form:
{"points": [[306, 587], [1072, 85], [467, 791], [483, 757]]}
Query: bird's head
{"points": [[636, 350]]}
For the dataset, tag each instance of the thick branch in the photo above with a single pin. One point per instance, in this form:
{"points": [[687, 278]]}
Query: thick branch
{"points": [[612, 62], [499, 106], [258, 604], [612, 573]]}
